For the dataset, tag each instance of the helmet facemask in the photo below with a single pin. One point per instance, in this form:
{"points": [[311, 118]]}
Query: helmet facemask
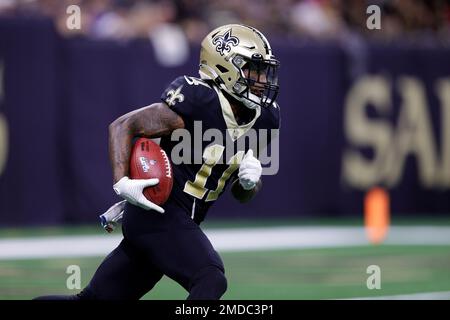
{"points": [[258, 83]]}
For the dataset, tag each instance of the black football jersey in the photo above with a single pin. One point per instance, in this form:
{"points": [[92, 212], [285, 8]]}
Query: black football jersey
{"points": [[205, 154]]}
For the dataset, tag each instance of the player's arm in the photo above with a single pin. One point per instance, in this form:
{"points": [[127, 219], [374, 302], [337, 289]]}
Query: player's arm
{"points": [[249, 182], [153, 121]]}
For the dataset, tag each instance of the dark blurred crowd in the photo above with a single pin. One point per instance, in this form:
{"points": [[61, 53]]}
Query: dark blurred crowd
{"points": [[192, 19]]}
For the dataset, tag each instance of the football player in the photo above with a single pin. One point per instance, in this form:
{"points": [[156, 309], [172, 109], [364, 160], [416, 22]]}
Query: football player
{"points": [[236, 92]]}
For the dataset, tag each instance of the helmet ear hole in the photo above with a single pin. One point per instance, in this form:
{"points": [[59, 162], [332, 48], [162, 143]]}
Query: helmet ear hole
{"points": [[221, 68]]}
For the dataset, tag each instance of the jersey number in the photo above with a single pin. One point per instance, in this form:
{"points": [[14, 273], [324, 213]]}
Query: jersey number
{"points": [[211, 156]]}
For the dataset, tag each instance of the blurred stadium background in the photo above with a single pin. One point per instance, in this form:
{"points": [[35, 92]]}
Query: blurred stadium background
{"points": [[361, 109]]}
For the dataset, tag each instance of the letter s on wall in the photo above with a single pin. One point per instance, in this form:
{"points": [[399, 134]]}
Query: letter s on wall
{"points": [[4, 137]]}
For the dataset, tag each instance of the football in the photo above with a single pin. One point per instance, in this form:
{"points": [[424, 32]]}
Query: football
{"points": [[149, 161]]}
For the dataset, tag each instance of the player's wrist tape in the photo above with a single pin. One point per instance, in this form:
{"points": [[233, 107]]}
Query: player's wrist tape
{"points": [[247, 185], [118, 184]]}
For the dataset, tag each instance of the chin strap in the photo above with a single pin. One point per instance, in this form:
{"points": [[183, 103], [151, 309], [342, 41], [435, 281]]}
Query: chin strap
{"points": [[246, 102], [249, 104]]}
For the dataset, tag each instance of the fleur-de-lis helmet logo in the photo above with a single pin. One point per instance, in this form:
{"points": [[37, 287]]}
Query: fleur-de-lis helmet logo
{"points": [[224, 42]]}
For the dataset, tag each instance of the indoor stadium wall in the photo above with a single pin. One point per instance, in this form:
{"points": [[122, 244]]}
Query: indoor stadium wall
{"points": [[353, 117]]}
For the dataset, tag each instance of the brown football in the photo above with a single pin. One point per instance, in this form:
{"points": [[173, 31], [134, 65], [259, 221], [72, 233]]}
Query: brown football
{"points": [[149, 161]]}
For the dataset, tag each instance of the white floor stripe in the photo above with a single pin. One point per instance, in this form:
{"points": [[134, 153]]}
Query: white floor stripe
{"points": [[242, 239], [443, 295]]}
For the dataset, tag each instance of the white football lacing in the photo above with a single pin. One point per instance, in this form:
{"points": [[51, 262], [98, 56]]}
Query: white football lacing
{"points": [[167, 163]]}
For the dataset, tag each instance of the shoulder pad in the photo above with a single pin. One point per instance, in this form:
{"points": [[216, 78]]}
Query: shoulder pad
{"points": [[196, 81]]}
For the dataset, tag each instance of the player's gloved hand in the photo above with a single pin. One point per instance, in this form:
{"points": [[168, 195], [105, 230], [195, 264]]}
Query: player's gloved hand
{"points": [[112, 216], [249, 171], [131, 190]]}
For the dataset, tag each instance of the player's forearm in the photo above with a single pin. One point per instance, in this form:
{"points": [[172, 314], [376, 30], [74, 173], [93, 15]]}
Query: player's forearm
{"points": [[153, 121], [243, 195], [120, 138]]}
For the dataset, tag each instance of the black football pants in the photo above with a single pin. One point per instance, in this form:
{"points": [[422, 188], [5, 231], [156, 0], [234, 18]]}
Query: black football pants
{"points": [[154, 245]]}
